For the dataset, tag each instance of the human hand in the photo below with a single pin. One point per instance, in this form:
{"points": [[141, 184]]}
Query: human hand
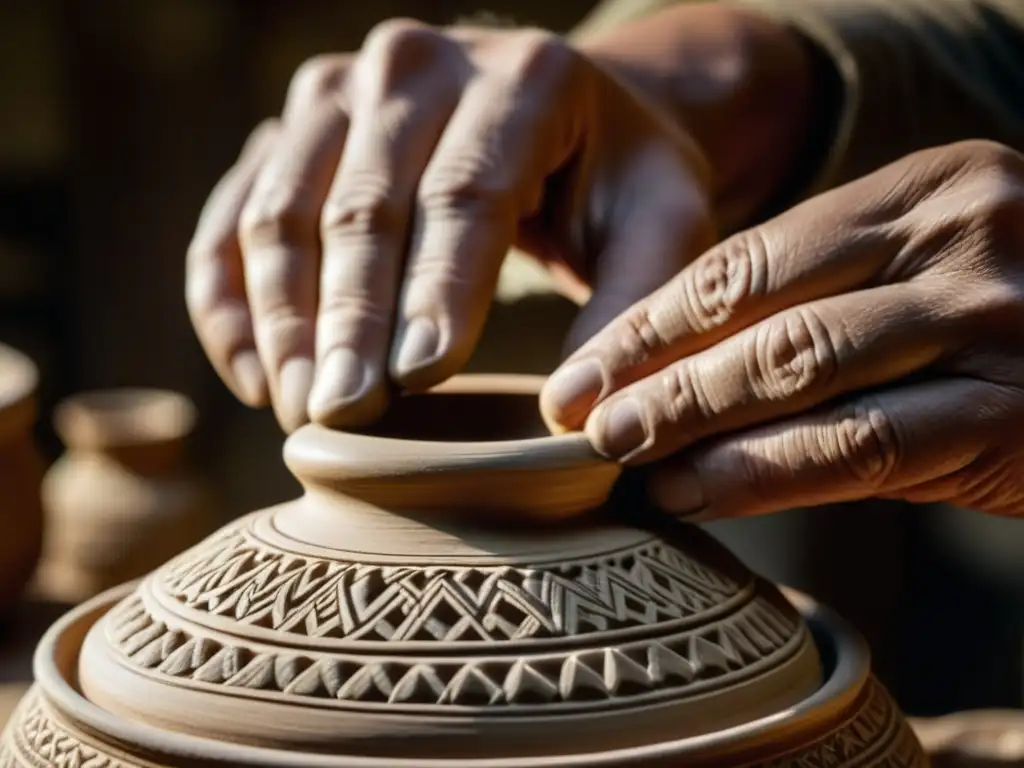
{"points": [[867, 343], [358, 241]]}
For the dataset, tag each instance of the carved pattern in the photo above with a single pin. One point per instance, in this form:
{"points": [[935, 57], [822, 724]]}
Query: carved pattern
{"points": [[241, 577], [34, 739], [707, 658], [878, 736]]}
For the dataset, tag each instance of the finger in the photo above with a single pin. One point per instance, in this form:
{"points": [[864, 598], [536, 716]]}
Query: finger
{"points": [[214, 282], [887, 444], [279, 232], [664, 223], [405, 89], [793, 361], [811, 252], [511, 129]]}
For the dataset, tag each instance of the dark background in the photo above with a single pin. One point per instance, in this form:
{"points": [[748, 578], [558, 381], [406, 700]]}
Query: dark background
{"points": [[116, 119]]}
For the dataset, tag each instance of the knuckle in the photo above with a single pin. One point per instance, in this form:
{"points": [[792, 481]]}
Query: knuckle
{"points": [[461, 189], [640, 335], [400, 35], [791, 356], [278, 218], [542, 57], [721, 282], [317, 78], [397, 48], [984, 153], [684, 395], [865, 444], [345, 310], [364, 207]]}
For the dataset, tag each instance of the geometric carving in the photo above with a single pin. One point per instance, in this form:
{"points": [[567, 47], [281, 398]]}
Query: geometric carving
{"points": [[877, 736], [705, 658], [240, 577], [243, 578], [34, 739]]}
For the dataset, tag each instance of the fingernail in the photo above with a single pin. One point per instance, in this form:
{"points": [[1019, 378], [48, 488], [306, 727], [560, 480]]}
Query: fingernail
{"points": [[572, 391], [343, 382], [677, 490], [341, 377], [620, 431], [294, 385], [418, 346], [250, 381]]}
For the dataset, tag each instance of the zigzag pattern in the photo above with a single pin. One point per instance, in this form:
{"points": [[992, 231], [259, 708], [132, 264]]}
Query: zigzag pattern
{"points": [[878, 737], [36, 741], [758, 634], [240, 577]]}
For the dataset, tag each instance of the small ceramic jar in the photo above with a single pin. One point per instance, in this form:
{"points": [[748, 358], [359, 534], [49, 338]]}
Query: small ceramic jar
{"points": [[21, 470], [121, 500]]}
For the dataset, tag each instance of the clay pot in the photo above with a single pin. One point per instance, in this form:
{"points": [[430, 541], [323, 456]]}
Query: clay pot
{"points": [[455, 590], [21, 471], [121, 500]]}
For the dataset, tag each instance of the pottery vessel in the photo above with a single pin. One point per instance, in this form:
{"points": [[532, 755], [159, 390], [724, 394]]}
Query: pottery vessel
{"points": [[21, 471], [121, 500], [455, 590]]}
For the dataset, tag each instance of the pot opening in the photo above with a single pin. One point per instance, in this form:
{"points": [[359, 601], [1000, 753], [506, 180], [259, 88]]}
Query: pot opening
{"points": [[463, 417]]}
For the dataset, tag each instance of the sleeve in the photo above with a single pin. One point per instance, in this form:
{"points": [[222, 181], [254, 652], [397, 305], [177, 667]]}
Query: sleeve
{"points": [[913, 73]]}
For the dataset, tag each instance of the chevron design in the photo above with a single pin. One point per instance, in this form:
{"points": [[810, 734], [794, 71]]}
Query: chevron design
{"points": [[711, 657], [240, 577], [878, 737], [35, 740]]}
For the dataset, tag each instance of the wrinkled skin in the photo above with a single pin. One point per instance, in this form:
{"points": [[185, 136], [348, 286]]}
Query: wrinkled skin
{"points": [[357, 241], [867, 343]]}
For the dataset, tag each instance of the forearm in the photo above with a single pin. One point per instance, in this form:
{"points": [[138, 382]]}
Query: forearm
{"points": [[914, 73], [790, 97], [740, 83]]}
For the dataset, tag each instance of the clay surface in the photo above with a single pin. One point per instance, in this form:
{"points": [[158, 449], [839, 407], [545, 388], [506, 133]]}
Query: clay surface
{"points": [[456, 588]]}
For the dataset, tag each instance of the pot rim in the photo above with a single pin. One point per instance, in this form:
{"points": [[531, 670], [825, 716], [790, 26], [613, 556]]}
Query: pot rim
{"points": [[124, 417], [844, 653], [573, 447], [395, 472]]}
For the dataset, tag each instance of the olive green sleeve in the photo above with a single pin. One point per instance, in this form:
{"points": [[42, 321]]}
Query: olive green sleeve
{"points": [[913, 73]]}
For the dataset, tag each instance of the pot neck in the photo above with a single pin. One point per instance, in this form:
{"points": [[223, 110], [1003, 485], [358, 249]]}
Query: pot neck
{"points": [[438, 454]]}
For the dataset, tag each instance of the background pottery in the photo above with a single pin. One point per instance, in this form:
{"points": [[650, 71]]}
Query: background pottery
{"points": [[407, 610], [21, 470], [121, 500]]}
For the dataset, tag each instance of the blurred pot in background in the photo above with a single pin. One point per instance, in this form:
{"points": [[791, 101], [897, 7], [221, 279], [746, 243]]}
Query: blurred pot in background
{"points": [[21, 471], [122, 499]]}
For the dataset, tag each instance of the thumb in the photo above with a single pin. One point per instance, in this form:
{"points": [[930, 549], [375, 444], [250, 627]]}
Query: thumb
{"points": [[660, 221], [658, 229]]}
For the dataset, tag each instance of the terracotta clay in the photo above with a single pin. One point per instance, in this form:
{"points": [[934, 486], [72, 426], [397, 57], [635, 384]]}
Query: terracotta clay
{"points": [[120, 501], [455, 590], [21, 470]]}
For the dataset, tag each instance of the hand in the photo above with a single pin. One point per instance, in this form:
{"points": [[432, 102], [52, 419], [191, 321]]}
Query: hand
{"points": [[358, 241], [867, 343]]}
